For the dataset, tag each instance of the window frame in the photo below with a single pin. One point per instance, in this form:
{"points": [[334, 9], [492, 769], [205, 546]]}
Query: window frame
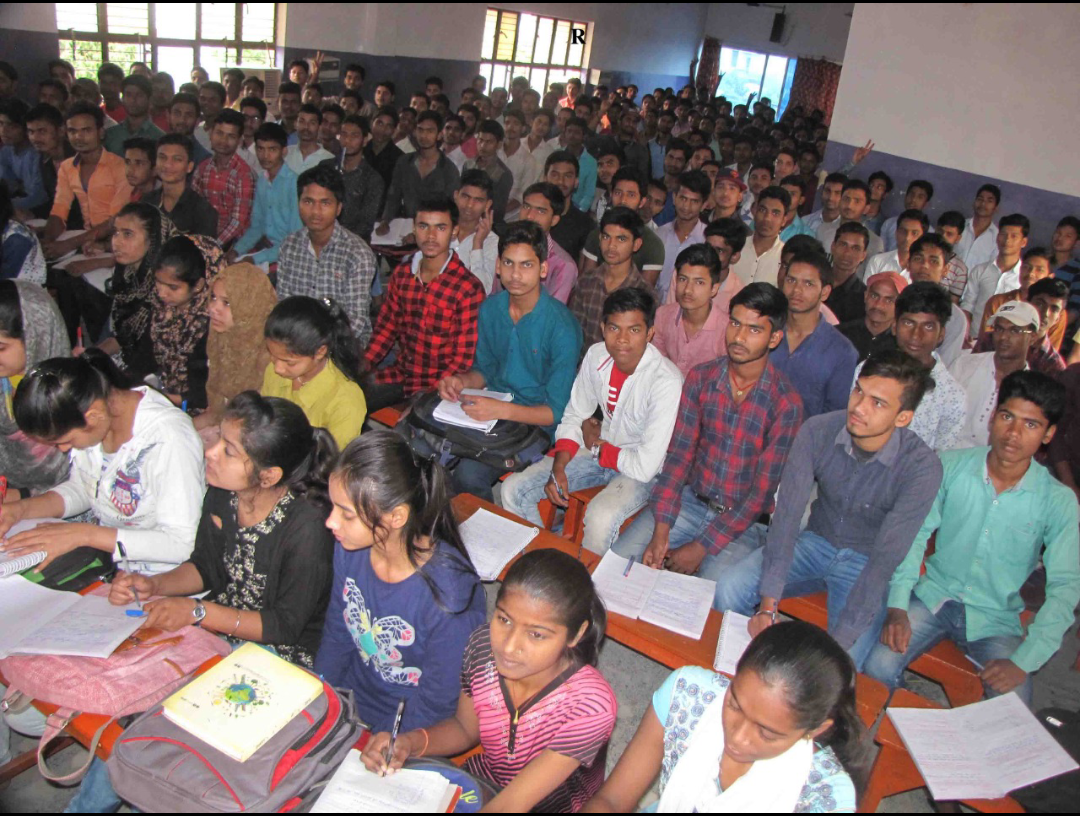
{"points": [[514, 68], [789, 69]]}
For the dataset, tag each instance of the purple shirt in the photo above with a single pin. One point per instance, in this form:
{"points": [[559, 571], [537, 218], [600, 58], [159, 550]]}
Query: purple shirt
{"points": [[562, 272]]}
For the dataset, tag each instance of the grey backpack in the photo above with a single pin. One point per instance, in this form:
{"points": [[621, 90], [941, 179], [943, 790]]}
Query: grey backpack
{"points": [[158, 767]]}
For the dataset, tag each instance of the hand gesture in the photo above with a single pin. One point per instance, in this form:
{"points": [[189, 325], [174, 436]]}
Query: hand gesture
{"points": [[862, 152], [483, 227]]}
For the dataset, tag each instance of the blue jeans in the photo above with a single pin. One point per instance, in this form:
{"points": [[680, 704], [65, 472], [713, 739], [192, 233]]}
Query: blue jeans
{"points": [[95, 794], [694, 518], [816, 565], [604, 515], [929, 628]]}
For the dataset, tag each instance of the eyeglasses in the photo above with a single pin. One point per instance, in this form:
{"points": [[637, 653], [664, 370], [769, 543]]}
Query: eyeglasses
{"points": [[1013, 330]]}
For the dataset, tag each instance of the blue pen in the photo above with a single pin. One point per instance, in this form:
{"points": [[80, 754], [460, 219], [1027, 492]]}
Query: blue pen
{"points": [[183, 406], [629, 564], [131, 613]]}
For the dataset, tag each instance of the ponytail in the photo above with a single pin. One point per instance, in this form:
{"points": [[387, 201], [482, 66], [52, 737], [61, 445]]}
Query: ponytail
{"points": [[562, 582], [304, 325]]}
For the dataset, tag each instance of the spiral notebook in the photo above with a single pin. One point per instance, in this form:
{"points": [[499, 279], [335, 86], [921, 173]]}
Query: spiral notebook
{"points": [[11, 565], [733, 640]]}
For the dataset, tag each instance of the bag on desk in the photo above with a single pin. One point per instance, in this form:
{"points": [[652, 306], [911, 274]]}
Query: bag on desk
{"points": [[159, 767], [73, 571]]}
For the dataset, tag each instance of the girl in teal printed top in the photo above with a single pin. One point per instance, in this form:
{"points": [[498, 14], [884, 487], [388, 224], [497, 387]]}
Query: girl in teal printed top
{"points": [[783, 736]]}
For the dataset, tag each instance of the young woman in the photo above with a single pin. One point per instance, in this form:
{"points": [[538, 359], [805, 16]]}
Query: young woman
{"points": [[20, 253], [241, 298], [180, 322], [531, 697], [314, 362], [406, 596], [262, 549], [783, 736], [31, 330], [136, 463]]}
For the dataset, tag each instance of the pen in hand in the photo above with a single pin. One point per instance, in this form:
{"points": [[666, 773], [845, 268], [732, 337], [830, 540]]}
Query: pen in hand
{"points": [[394, 733], [127, 569]]}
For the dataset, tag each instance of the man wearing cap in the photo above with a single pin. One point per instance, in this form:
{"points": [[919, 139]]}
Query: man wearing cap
{"points": [[727, 195], [873, 332], [1014, 326]]}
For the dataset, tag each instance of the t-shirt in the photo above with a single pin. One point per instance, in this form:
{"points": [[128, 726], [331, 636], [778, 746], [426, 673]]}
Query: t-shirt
{"points": [[574, 719], [650, 258], [392, 641]]}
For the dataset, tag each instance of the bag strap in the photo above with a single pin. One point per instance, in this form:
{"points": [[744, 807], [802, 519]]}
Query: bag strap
{"points": [[54, 727]]}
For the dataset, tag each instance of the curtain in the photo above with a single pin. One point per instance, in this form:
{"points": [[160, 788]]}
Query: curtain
{"points": [[709, 67], [814, 85]]}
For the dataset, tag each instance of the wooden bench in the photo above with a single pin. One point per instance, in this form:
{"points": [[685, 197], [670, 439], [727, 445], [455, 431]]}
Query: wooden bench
{"points": [[389, 415], [574, 521]]}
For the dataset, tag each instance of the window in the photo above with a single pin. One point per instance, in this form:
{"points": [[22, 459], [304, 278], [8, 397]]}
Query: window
{"points": [[543, 49], [172, 37], [764, 75]]}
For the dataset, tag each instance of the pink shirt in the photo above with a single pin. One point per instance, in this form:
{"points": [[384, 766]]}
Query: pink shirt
{"points": [[562, 272], [705, 346], [828, 314]]}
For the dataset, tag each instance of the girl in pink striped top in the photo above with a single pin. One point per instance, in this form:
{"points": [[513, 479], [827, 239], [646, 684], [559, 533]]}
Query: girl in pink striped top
{"points": [[532, 697]]}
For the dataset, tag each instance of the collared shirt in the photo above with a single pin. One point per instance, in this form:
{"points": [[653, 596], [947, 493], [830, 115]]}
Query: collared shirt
{"points": [[534, 359], [342, 271], [230, 191], [815, 220], [976, 374], [562, 271], [672, 247], [502, 180], [364, 192], [728, 453], [330, 400], [765, 267], [275, 215], [434, 326], [587, 301], [848, 300], [821, 368], [21, 169], [982, 285], [650, 258], [457, 155], [192, 214], [407, 188], [298, 162], [796, 227], [115, 137], [573, 230], [384, 161], [865, 343], [888, 233], [1070, 273], [988, 543], [539, 155], [888, 261], [104, 196], [873, 507], [481, 262], [974, 251], [707, 345]]}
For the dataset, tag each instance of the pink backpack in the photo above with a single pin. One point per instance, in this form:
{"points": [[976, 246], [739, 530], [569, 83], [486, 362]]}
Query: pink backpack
{"points": [[127, 682]]}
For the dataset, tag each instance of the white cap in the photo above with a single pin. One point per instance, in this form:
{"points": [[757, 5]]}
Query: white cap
{"points": [[1019, 313]]}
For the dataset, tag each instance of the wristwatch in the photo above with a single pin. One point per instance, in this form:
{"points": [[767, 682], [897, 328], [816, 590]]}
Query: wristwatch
{"points": [[199, 612]]}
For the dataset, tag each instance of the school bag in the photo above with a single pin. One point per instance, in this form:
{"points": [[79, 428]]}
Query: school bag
{"points": [[159, 767], [1059, 794], [510, 446]]}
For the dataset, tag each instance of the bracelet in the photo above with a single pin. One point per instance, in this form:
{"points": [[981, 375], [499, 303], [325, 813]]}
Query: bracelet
{"points": [[427, 740], [770, 612], [233, 632]]}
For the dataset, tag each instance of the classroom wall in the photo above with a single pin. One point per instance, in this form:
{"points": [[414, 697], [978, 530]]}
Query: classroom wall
{"points": [[812, 29], [28, 40]]}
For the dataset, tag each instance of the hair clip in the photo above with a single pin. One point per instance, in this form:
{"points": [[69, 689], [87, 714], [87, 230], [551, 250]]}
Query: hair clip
{"points": [[328, 303]]}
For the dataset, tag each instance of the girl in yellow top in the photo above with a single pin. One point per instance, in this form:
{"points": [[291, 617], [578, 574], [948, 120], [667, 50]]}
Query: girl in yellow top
{"points": [[314, 363]]}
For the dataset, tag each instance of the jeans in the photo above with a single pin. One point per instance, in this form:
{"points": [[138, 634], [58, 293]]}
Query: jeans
{"points": [[816, 565], [604, 515], [95, 794], [927, 629], [694, 518]]}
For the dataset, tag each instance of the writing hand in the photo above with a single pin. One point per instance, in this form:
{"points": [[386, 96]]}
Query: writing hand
{"points": [[170, 614]]}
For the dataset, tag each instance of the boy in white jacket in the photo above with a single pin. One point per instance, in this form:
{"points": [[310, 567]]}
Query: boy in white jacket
{"points": [[637, 391]]}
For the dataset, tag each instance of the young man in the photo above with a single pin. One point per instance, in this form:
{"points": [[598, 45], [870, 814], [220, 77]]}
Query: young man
{"points": [[928, 261], [979, 243], [911, 225], [658, 145], [189, 211], [20, 166], [364, 189], [637, 154], [307, 152], [628, 189], [1049, 297], [403, 137], [332, 117], [253, 86], [381, 152], [110, 79], [636, 390], [313, 95], [9, 80], [212, 102], [848, 297], [676, 157], [45, 129], [430, 314], [233, 80], [728, 189], [274, 215], [324, 259], [474, 240], [917, 197], [488, 141], [226, 181], [875, 482], [542, 205], [609, 159], [537, 142], [744, 156], [686, 229], [453, 136], [299, 72], [854, 199], [999, 275], [1066, 267], [355, 74], [737, 420], [996, 513], [793, 222], [760, 259], [759, 177], [873, 333], [528, 345], [950, 226], [1035, 266], [515, 155], [831, 191], [139, 157], [425, 174], [816, 358], [574, 132], [574, 226], [184, 113], [289, 102], [56, 93], [136, 95]]}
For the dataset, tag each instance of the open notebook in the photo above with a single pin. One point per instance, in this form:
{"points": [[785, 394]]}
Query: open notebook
{"points": [[355, 789], [452, 413], [494, 541], [678, 603], [733, 640]]}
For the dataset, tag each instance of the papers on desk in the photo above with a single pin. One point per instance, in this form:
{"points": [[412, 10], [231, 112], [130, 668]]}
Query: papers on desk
{"points": [[678, 603], [733, 640], [399, 228], [36, 223], [355, 789], [452, 413], [98, 277], [982, 750], [494, 541]]}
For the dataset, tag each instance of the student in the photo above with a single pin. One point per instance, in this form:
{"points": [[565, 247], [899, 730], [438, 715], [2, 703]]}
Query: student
{"points": [[785, 728], [813, 354], [542, 203], [996, 511], [515, 154], [313, 362], [364, 187], [241, 299], [31, 331], [289, 102], [184, 113], [917, 197], [306, 152], [430, 313], [453, 133], [425, 174], [737, 419], [854, 199], [20, 167], [140, 156], [1063, 243], [179, 322], [910, 226], [136, 92], [628, 189], [676, 158], [728, 190], [1035, 266], [873, 332], [226, 181], [928, 260], [528, 345], [1002, 274], [536, 142], [405, 595], [20, 253], [760, 259], [488, 141], [474, 238], [189, 211], [950, 226], [609, 159], [381, 152], [324, 259], [880, 186], [793, 222], [355, 74], [254, 112], [760, 177], [531, 695], [686, 228], [848, 295], [45, 131], [665, 123], [636, 389], [574, 226], [163, 90], [979, 242], [275, 213], [831, 192]]}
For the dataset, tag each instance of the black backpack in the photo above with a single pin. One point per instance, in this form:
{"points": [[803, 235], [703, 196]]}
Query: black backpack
{"points": [[1061, 793]]}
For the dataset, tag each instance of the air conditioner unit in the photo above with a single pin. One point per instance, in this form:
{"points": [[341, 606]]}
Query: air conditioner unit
{"points": [[271, 78]]}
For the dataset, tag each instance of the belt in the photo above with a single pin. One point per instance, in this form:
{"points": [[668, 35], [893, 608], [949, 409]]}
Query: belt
{"points": [[712, 504]]}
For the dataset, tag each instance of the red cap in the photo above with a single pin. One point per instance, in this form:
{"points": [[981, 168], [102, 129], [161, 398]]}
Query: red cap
{"points": [[732, 175], [898, 281]]}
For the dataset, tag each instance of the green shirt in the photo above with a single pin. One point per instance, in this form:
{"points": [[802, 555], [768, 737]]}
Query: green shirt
{"points": [[116, 136], [987, 546], [650, 258]]}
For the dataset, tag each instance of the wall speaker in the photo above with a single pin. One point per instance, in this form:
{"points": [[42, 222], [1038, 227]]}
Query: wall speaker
{"points": [[778, 27]]}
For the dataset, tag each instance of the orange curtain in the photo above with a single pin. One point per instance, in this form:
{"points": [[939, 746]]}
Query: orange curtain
{"points": [[709, 67], [814, 85]]}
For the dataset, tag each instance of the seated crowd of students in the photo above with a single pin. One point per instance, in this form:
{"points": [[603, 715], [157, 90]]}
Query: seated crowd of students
{"points": [[652, 285]]}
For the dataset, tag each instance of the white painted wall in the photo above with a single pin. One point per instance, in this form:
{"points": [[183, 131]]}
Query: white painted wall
{"points": [[28, 16], [812, 29], [983, 87]]}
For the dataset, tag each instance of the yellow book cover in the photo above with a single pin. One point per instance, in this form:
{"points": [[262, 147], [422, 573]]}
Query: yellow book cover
{"points": [[243, 701]]}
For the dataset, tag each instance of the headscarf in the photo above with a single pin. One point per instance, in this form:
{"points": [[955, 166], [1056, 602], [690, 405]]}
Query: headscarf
{"points": [[26, 463], [177, 330]]}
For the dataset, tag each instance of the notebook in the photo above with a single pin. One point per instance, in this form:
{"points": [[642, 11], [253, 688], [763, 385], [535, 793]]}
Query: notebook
{"points": [[678, 603], [399, 228], [243, 701], [11, 565], [494, 541], [355, 789], [733, 640], [980, 751], [452, 413]]}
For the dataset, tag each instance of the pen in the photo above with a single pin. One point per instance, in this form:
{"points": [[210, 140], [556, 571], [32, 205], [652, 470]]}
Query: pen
{"points": [[558, 487], [127, 569], [394, 731], [629, 564], [183, 406]]}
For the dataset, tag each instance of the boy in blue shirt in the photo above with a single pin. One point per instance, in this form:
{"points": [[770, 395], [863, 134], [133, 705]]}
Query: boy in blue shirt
{"points": [[275, 214], [528, 346]]}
